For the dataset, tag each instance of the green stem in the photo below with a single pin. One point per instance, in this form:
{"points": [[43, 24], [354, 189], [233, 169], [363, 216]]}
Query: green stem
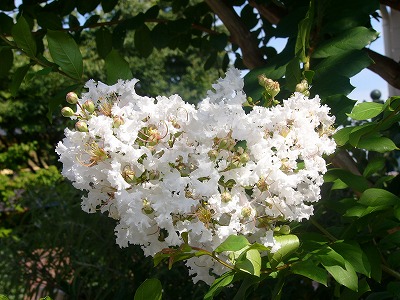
{"points": [[323, 230], [215, 257], [391, 272]]}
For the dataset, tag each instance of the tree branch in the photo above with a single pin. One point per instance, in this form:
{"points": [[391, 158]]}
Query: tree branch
{"points": [[241, 36], [394, 4], [385, 67], [271, 12]]}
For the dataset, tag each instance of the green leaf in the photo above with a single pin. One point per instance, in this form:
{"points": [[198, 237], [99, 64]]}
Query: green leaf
{"points": [[361, 211], [287, 245], [103, 42], [374, 257], [293, 74], [143, 41], [360, 131], [332, 85], [366, 110], [342, 136], [352, 252], [250, 262], [6, 61], [375, 165], [6, 23], [347, 64], [219, 283], [233, 243], [378, 197], [117, 67], [3, 297], [356, 182], [310, 270], [344, 276], [304, 29], [17, 79], [22, 36], [108, 5], [377, 143], [149, 289], [65, 53], [353, 39], [340, 105]]}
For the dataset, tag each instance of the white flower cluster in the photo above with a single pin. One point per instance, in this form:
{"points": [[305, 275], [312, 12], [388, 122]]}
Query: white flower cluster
{"points": [[162, 167]]}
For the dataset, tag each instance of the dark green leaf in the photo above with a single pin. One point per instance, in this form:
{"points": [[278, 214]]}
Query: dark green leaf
{"points": [[352, 252], [91, 21], [293, 74], [87, 6], [160, 36], [310, 270], [49, 20], [103, 42], [108, 5], [6, 61], [374, 257], [287, 245], [17, 78], [65, 53], [73, 22], [375, 165], [352, 39], [333, 84], [7, 5], [361, 210], [347, 64], [149, 289], [366, 110], [340, 105], [248, 16], [211, 60], [219, 41], [152, 12], [378, 197], [219, 283], [377, 143], [356, 182], [143, 41], [233, 243], [6, 23], [22, 35], [117, 67]]}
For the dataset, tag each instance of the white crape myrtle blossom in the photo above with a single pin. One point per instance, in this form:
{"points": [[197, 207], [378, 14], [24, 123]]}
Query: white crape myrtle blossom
{"points": [[162, 167]]}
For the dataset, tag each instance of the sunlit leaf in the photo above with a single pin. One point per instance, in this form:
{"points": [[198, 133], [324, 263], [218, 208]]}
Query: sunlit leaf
{"points": [[149, 289], [366, 110], [233, 243], [310, 270]]}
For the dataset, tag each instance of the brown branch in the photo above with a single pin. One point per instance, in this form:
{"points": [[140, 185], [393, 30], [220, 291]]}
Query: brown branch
{"points": [[271, 12], [241, 36], [385, 67], [395, 4]]}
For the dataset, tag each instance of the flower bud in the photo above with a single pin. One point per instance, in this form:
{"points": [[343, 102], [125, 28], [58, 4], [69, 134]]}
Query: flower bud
{"points": [[302, 87], [213, 154], [272, 87], [226, 197], [89, 106], [285, 229], [129, 175], [147, 209], [67, 112], [244, 158], [118, 121], [246, 212], [154, 175], [72, 98], [81, 126], [226, 143]]}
